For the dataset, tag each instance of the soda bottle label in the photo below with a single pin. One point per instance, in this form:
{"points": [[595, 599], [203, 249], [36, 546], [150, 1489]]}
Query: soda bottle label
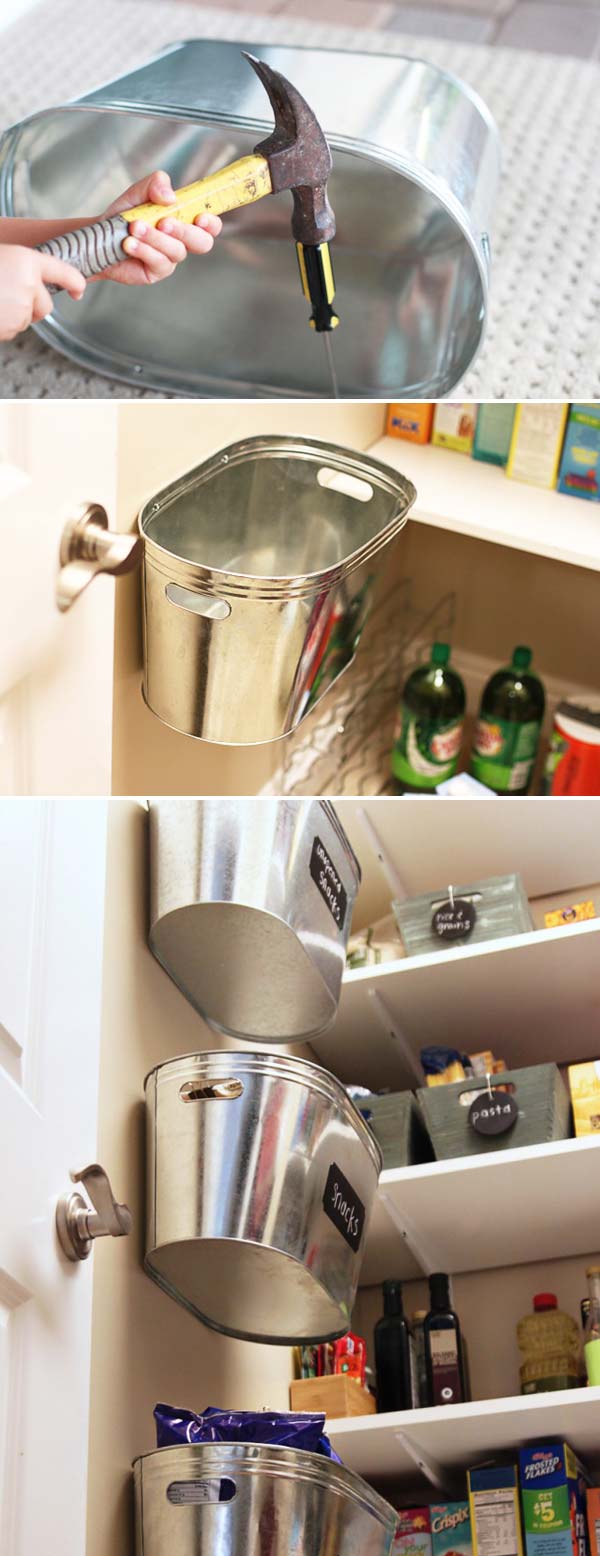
{"points": [[504, 753], [425, 753]]}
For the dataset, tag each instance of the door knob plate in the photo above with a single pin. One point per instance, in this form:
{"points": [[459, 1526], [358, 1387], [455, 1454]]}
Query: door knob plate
{"points": [[88, 547]]}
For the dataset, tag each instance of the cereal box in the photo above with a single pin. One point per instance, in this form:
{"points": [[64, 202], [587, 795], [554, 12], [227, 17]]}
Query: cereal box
{"points": [[580, 464], [593, 1518], [413, 1534], [553, 1487], [454, 425], [413, 422], [584, 1086], [495, 1511], [451, 1529]]}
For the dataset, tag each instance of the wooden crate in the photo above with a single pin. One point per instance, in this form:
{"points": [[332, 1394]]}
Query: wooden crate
{"points": [[333, 1397]]}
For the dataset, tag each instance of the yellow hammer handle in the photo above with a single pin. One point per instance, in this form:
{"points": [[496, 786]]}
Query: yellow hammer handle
{"points": [[238, 184]]}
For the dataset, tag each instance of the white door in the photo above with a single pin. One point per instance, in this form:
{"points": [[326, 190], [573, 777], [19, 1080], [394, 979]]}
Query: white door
{"points": [[56, 670], [52, 892]]}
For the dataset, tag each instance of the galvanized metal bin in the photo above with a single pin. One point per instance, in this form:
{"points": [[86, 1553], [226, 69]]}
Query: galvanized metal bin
{"points": [[416, 165], [260, 1181], [246, 1500], [250, 910], [259, 570]]}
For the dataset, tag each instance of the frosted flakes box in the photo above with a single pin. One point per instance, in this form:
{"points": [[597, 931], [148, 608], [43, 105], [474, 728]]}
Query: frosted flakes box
{"points": [[553, 1487], [413, 1532], [451, 1529]]}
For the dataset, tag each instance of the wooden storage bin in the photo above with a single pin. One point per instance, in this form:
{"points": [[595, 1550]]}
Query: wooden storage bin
{"points": [[334, 1396], [542, 1099], [397, 1124], [501, 906]]}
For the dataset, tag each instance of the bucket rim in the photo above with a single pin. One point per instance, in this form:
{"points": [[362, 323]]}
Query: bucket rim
{"points": [[303, 1465], [220, 581], [282, 1067], [156, 803]]}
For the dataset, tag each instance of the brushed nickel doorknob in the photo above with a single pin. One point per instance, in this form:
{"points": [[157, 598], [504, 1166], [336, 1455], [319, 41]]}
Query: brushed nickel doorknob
{"points": [[79, 1221], [88, 547]]}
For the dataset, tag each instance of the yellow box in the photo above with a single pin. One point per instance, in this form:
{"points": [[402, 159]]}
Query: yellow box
{"points": [[413, 422], [584, 1086], [537, 443], [454, 425], [573, 915]]}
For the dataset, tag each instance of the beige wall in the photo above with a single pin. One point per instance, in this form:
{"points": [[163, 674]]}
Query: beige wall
{"points": [[145, 1347], [156, 442]]}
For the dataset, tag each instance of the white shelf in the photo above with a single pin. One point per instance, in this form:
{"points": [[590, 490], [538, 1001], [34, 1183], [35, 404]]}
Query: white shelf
{"points": [[459, 493], [458, 1436], [557, 1188], [530, 998]]}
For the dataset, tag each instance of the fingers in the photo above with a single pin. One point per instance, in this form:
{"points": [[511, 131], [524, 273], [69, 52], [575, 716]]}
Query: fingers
{"points": [[42, 305], [54, 272], [156, 264], [164, 243], [197, 238], [156, 189]]}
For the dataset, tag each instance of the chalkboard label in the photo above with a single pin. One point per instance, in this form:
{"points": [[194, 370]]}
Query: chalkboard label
{"points": [[344, 1208], [493, 1112], [454, 920], [326, 878]]}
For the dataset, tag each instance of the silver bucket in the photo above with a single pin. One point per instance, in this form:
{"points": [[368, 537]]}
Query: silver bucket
{"points": [[250, 910], [416, 166], [261, 1177], [247, 1500], [259, 570]]}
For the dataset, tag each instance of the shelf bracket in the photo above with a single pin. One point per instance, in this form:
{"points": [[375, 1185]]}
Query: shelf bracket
{"points": [[389, 869], [417, 1245], [430, 1468], [390, 1026]]}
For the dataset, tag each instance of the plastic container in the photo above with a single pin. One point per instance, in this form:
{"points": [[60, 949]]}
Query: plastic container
{"points": [[550, 1343]]}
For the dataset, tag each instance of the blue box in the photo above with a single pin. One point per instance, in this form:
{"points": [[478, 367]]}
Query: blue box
{"points": [[553, 1487], [580, 464]]}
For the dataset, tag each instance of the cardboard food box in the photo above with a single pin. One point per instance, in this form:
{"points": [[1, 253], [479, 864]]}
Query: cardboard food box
{"points": [[454, 425], [584, 1086], [493, 433], [580, 464], [553, 1487], [413, 1534], [451, 1529], [576, 914], [413, 422], [495, 1510], [593, 1519], [537, 442]]}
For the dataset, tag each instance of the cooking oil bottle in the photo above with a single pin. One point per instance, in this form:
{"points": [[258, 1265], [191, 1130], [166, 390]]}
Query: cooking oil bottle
{"points": [[550, 1343]]}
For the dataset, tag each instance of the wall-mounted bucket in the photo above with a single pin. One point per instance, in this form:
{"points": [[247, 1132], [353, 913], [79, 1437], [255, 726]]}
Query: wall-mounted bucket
{"points": [[250, 910], [416, 165], [261, 1177], [245, 1500], [259, 570]]}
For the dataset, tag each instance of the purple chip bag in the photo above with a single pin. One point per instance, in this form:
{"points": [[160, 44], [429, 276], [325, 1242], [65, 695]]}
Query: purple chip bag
{"points": [[291, 1430]]}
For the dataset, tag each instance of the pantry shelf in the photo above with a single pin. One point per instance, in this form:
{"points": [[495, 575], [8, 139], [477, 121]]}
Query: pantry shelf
{"points": [[533, 997], [387, 1447], [473, 498], [414, 1223]]}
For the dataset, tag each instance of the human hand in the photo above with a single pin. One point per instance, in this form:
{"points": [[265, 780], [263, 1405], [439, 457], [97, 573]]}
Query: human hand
{"points": [[24, 277], [154, 252]]}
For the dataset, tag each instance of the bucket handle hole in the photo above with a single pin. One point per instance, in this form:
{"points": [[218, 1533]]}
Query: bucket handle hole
{"points": [[212, 1091], [348, 485], [199, 604], [190, 1493]]}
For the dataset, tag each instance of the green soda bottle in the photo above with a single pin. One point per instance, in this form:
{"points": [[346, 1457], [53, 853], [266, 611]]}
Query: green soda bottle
{"points": [[507, 733], [430, 726]]}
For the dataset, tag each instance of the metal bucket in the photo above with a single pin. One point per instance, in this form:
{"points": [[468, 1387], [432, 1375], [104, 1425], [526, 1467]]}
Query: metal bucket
{"points": [[416, 166], [246, 1500], [250, 910], [259, 570], [261, 1176]]}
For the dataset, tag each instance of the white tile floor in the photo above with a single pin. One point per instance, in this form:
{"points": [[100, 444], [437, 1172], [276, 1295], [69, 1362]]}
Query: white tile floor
{"points": [[555, 26]]}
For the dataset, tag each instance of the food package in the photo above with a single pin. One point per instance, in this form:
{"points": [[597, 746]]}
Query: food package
{"points": [[285, 1430], [584, 1086]]}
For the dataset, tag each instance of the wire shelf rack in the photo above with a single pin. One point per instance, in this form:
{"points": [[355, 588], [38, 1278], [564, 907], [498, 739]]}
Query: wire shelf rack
{"points": [[345, 748]]}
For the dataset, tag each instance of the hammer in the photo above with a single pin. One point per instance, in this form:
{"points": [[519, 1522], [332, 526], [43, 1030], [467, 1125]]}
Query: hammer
{"points": [[295, 156]]}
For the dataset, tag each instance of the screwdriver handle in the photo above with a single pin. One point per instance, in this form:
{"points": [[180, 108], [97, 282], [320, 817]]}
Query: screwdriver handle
{"points": [[318, 284], [93, 248]]}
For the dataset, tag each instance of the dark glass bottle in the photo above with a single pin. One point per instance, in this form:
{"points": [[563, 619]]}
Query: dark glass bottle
{"points": [[430, 726], [507, 733], [393, 1353], [444, 1356]]}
